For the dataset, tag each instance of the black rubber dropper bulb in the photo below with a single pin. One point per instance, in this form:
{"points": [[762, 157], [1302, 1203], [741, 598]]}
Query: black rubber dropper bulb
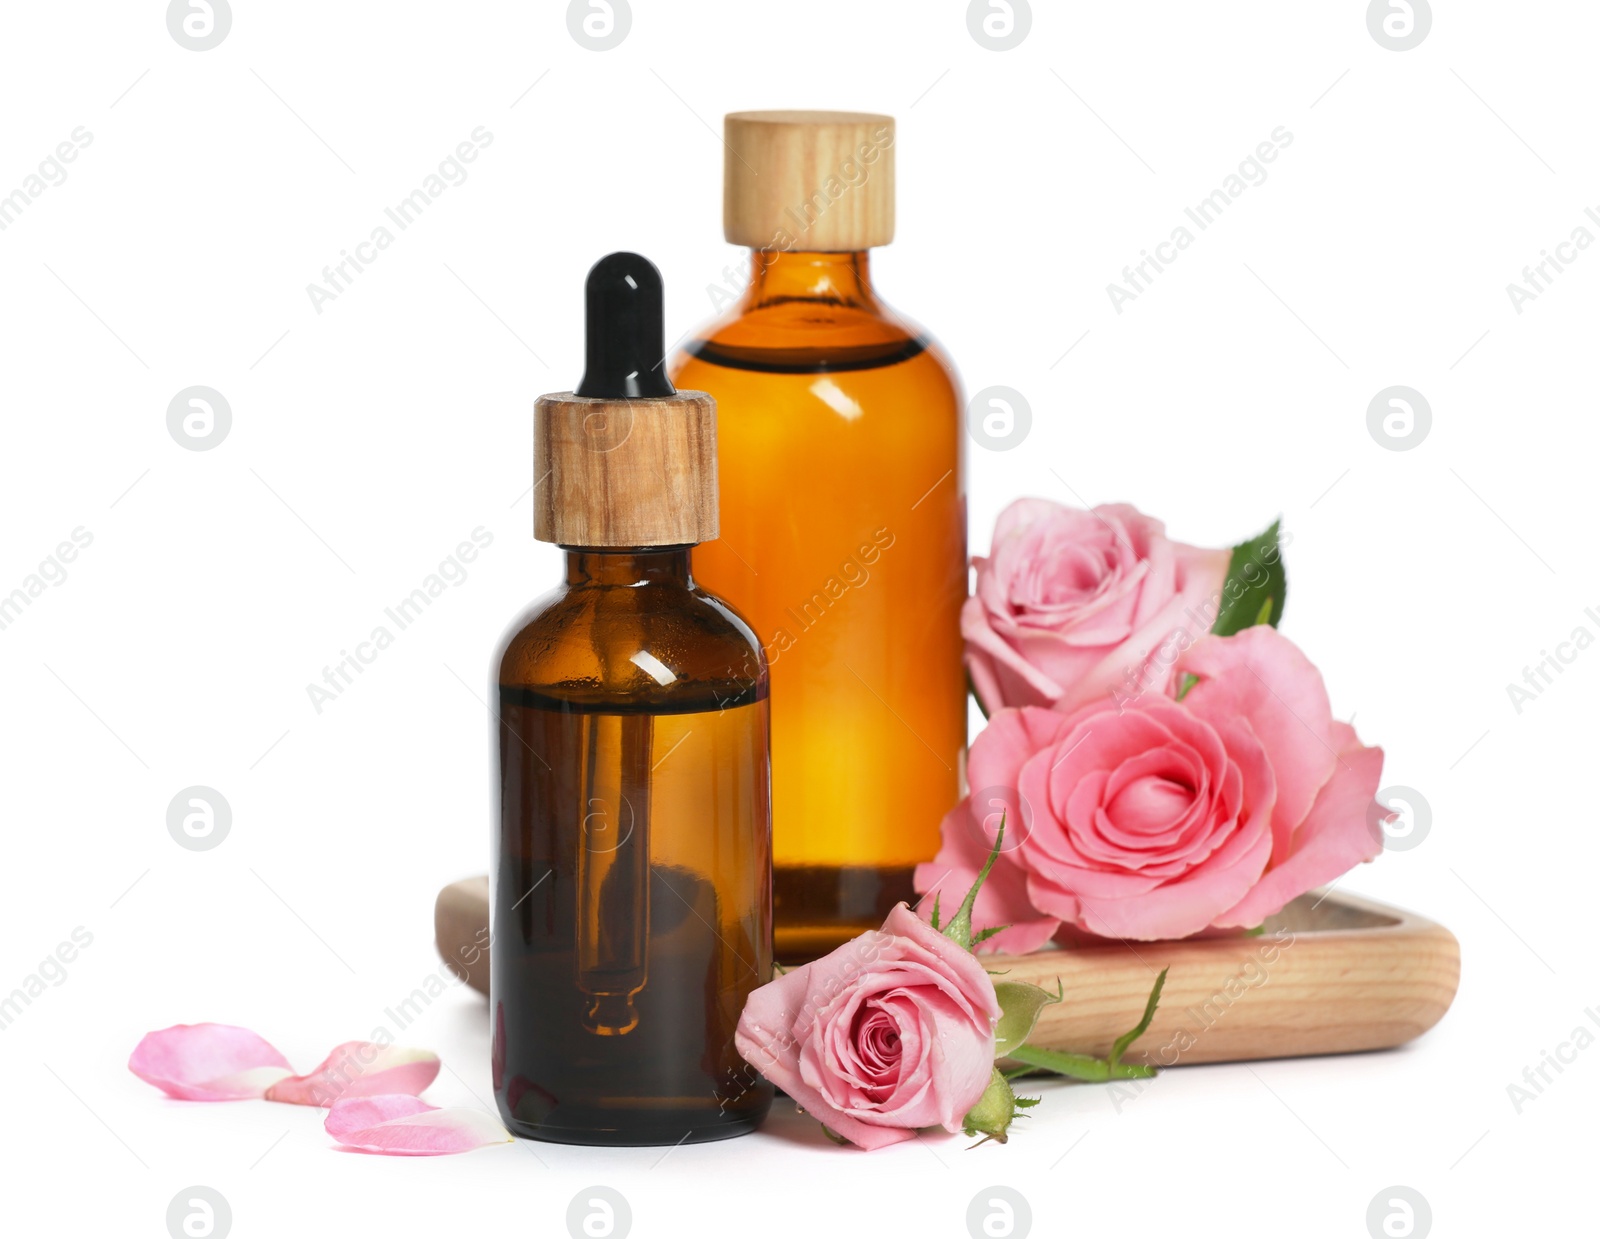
{"points": [[625, 354]]}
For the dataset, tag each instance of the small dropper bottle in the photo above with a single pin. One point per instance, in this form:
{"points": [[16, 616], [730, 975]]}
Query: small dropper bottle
{"points": [[631, 897]]}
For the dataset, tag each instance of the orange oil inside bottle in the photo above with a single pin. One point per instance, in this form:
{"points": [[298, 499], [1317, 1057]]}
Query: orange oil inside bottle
{"points": [[843, 543]]}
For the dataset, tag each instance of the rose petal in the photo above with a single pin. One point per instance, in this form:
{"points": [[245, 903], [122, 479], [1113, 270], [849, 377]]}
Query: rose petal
{"points": [[1000, 675], [791, 1028], [1005, 744], [1003, 898], [359, 1069], [1073, 606], [945, 1040], [1173, 886], [772, 1023], [993, 768], [208, 1062], [1336, 836], [354, 1114], [1261, 675], [1139, 666], [401, 1125]]}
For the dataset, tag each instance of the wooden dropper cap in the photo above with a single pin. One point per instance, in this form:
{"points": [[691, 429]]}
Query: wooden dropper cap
{"points": [[821, 181], [625, 460]]}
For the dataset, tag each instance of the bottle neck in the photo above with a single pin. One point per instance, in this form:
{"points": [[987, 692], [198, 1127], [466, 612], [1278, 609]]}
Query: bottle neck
{"points": [[631, 565], [836, 278]]}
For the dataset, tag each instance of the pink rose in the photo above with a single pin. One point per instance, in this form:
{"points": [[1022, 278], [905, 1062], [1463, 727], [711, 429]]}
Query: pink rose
{"points": [[891, 1032], [1072, 605], [1169, 817]]}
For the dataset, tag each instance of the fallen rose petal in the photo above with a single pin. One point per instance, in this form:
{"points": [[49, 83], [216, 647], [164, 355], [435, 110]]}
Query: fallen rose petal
{"points": [[359, 1069], [427, 1132], [208, 1062], [359, 1113]]}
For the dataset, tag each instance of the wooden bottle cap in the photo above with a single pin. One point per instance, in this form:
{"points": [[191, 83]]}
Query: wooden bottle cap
{"points": [[819, 181], [625, 472], [625, 460]]}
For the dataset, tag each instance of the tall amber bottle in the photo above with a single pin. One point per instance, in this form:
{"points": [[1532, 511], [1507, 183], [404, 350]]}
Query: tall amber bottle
{"points": [[843, 521], [631, 898]]}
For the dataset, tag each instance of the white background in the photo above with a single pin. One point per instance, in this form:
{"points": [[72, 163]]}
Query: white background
{"points": [[368, 440]]}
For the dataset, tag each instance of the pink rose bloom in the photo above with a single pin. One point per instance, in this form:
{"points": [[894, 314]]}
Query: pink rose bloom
{"points": [[1169, 817], [1072, 605], [891, 1032]]}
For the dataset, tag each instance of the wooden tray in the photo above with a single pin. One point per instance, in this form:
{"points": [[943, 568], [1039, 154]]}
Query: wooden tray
{"points": [[1329, 974]]}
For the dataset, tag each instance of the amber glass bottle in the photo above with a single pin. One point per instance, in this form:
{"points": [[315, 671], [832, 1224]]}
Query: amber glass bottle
{"points": [[630, 904], [843, 521]]}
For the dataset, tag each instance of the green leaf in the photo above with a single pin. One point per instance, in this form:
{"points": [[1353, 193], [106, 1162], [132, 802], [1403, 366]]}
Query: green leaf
{"points": [[933, 919], [1020, 1004], [983, 935], [1139, 1029], [1096, 1070], [991, 1117], [1256, 585], [960, 927]]}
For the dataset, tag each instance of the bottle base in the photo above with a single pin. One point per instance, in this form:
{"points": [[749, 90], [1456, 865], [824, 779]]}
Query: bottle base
{"points": [[818, 908], [638, 1137]]}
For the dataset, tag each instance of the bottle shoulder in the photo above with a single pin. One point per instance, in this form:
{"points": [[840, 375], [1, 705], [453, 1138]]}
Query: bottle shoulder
{"points": [[805, 336], [656, 645]]}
